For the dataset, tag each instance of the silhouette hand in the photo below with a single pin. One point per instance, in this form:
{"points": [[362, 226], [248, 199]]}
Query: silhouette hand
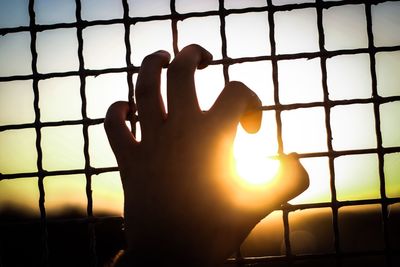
{"points": [[181, 206]]}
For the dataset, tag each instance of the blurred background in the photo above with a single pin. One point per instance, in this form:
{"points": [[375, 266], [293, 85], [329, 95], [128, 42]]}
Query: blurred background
{"points": [[327, 72]]}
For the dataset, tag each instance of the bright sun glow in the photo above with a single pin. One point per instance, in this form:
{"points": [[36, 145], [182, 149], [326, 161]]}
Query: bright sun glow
{"points": [[254, 167], [255, 170]]}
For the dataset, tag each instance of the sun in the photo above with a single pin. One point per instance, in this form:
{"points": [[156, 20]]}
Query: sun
{"points": [[254, 166], [257, 171]]}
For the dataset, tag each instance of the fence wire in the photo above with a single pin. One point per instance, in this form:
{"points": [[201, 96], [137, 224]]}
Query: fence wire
{"points": [[327, 104]]}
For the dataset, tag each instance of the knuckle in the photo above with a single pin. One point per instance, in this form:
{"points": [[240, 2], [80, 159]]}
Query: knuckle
{"points": [[117, 106], [113, 111], [160, 56], [151, 58], [238, 88], [237, 84], [195, 47]]}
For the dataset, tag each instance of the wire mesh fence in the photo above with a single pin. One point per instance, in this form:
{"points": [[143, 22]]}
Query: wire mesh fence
{"points": [[339, 256]]}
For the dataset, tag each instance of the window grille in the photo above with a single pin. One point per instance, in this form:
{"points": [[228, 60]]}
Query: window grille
{"points": [[338, 257]]}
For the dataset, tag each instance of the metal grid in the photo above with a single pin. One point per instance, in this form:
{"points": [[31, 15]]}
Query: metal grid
{"points": [[289, 258]]}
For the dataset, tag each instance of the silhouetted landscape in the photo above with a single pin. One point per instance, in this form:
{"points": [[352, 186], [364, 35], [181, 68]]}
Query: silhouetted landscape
{"points": [[68, 237]]}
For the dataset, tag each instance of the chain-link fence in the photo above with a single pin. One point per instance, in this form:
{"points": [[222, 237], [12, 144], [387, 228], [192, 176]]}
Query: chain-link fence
{"points": [[388, 252]]}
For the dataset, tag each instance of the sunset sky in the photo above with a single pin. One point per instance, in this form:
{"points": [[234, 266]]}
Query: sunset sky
{"points": [[300, 81]]}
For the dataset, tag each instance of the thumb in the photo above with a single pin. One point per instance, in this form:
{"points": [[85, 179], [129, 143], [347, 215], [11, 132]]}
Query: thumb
{"points": [[293, 177], [237, 103]]}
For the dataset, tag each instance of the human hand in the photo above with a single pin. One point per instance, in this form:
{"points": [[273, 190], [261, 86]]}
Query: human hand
{"points": [[181, 199]]}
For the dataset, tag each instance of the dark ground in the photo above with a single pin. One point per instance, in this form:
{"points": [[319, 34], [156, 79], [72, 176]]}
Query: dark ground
{"points": [[360, 230], [68, 235]]}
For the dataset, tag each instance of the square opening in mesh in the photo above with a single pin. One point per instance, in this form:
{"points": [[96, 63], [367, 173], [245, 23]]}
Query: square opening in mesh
{"points": [[311, 231], [15, 50], [144, 8], [101, 10], [385, 21], [245, 41], [149, 37], [303, 130], [57, 51], [16, 102], [103, 90], [65, 194], [186, 6], [104, 46], [357, 177], [21, 195], [100, 151], [209, 84], [257, 76], [234, 4], [300, 81], [387, 73], [206, 29], [360, 228], [14, 14], [349, 77], [52, 95], [51, 12], [286, 2], [62, 147], [392, 174], [353, 127], [264, 143], [296, 27], [390, 126], [345, 27], [319, 189], [18, 151], [108, 195]]}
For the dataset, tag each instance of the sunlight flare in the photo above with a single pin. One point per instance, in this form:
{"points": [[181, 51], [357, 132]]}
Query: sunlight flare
{"points": [[254, 167], [257, 171]]}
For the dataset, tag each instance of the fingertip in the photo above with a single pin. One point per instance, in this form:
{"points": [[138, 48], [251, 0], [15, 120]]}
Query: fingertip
{"points": [[166, 57], [205, 56], [117, 112], [161, 56], [251, 119], [206, 59], [292, 163]]}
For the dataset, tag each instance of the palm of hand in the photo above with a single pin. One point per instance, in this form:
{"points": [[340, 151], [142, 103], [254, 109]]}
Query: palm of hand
{"points": [[179, 194]]}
